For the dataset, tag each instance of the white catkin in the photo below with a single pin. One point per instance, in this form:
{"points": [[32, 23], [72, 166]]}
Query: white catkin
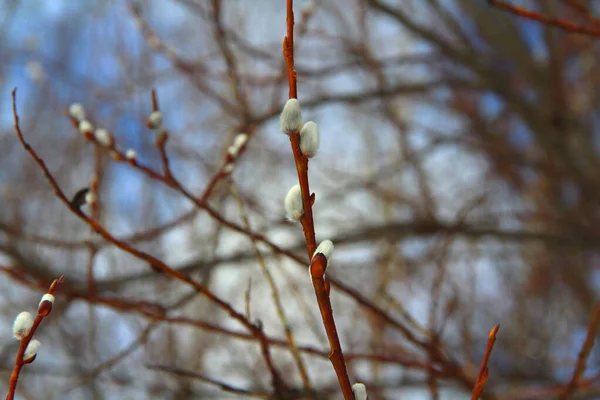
{"points": [[32, 349], [130, 154], [360, 391], [22, 325], [325, 248], [77, 112], [47, 297], [90, 197], [85, 126], [228, 168], [239, 141], [309, 139], [155, 120], [103, 137], [291, 117], [293, 203]]}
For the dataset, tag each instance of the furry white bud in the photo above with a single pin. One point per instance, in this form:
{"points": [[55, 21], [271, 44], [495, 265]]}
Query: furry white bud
{"points": [[293, 203], [228, 168], [325, 248], [90, 197], [360, 391], [85, 126], [103, 137], [22, 325], [155, 120], [77, 112], [291, 117], [239, 142], [47, 297], [130, 154], [32, 349], [309, 139]]}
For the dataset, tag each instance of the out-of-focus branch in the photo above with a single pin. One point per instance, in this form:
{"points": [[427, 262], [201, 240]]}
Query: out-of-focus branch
{"points": [[154, 262], [584, 353], [545, 19]]}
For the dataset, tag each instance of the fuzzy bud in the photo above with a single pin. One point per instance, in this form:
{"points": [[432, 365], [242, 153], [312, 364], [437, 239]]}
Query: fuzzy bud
{"points": [[103, 137], [130, 154], [155, 120], [47, 297], [325, 248], [291, 117], [360, 391], [45, 306], [85, 126], [228, 168], [309, 139], [90, 198], [294, 208], [22, 325], [32, 349], [77, 112], [239, 142]]}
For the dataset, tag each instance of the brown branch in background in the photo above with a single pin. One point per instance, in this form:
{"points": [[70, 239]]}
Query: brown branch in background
{"points": [[43, 310], [220, 384], [275, 294], [321, 286], [584, 353], [557, 22], [154, 262], [483, 370], [156, 312]]}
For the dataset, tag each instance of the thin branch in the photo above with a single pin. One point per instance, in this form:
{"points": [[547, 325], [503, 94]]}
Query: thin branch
{"points": [[321, 286], [535, 16], [154, 262], [220, 384], [584, 353], [483, 370], [43, 310], [275, 294]]}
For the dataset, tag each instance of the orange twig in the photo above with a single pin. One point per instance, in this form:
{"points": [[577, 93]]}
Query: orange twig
{"points": [[318, 263], [336, 356], [288, 50], [483, 370], [584, 353], [43, 310], [557, 22]]}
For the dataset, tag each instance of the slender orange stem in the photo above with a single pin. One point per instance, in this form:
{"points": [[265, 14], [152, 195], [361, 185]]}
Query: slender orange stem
{"points": [[318, 263], [483, 370]]}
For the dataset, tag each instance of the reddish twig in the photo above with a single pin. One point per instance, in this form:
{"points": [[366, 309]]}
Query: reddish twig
{"points": [[535, 16], [483, 370], [220, 384], [288, 50], [584, 353], [157, 312], [318, 263], [43, 310], [154, 262], [336, 356]]}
